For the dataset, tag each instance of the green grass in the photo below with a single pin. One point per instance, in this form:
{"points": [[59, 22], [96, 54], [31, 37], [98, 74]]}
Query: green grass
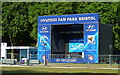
{"points": [[42, 70], [56, 71]]}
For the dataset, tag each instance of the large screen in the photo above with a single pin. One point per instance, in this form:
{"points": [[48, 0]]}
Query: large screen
{"points": [[76, 45]]}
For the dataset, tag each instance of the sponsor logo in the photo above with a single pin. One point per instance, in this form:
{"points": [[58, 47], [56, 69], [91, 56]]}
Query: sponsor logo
{"points": [[44, 40], [44, 29], [81, 46], [91, 39], [90, 57], [73, 47], [57, 60], [66, 60], [91, 28], [77, 46]]}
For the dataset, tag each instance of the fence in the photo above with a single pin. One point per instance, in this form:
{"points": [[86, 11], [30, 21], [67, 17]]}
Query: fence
{"points": [[70, 58], [103, 59], [65, 56], [106, 59]]}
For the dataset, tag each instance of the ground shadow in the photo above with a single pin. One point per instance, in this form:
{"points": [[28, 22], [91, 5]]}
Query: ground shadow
{"points": [[58, 74], [27, 72]]}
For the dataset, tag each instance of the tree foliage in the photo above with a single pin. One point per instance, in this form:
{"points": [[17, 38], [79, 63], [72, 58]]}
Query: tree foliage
{"points": [[15, 22], [20, 19]]}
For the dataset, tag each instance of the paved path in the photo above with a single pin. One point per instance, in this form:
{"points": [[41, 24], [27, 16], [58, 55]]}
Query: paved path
{"points": [[4, 65], [85, 67]]}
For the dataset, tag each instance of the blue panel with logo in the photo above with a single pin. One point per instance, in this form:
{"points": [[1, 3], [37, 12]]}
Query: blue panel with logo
{"points": [[91, 42], [43, 42]]}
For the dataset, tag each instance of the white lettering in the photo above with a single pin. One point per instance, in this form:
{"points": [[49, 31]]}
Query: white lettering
{"points": [[67, 19], [87, 18], [68, 60], [61, 19], [49, 20], [72, 19]]}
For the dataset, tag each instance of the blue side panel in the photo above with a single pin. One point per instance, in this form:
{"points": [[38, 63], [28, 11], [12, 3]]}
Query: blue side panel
{"points": [[43, 42], [91, 42]]}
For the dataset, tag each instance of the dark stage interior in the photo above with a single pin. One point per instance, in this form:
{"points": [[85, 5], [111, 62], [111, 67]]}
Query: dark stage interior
{"points": [[62, 34]]}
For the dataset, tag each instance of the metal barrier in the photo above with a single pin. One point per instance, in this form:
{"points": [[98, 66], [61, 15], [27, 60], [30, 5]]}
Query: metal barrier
{"points": [[69, 58], [109, 59], [65, 56], [34, 61], [103, 59], [9, 61]]}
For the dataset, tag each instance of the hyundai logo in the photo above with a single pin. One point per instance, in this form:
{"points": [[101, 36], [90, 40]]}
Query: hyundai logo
{"points": [[44, 28], [90, 26]]}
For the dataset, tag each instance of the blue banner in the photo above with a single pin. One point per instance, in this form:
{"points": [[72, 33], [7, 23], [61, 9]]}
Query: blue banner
{"points": [[43, 42], [91, 42], [68, 19]]}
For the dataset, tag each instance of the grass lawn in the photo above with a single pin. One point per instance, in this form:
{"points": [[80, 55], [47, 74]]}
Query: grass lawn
{"points": [[55, 71]]}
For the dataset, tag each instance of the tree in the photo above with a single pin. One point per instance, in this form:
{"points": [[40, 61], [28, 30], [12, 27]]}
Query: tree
{"points": [[15, 21], [108, 15], [45, 8], [116, 30], [20, 19]]}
